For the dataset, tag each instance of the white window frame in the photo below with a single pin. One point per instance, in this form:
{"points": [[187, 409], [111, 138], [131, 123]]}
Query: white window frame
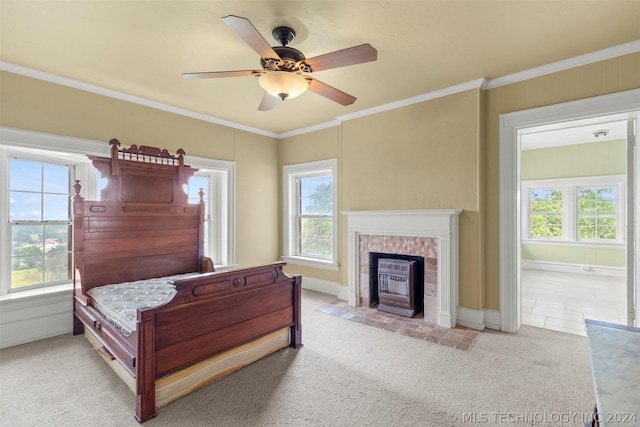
{"points": [[290, 202], [569, 187], [83, 170], [221, 213], [74, 151]]}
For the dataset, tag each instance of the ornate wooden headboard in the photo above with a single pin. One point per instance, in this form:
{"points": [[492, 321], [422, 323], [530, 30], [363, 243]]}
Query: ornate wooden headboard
{"points": [[143, 226], [143, 174]]}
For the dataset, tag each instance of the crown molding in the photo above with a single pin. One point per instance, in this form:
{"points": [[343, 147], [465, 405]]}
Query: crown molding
{"points": [[474, 84], [481, 83], [566, 64], [309, 129], [75, 84]]}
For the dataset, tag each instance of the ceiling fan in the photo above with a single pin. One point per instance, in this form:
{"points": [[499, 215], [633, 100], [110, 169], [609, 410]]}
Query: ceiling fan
{"points": [[283, 67]]}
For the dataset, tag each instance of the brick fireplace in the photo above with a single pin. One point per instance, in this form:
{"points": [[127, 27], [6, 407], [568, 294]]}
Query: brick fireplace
{"points": [[432, 234]]}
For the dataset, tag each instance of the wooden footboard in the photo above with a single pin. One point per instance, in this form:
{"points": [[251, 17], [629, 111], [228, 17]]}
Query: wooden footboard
{"points": [[214, 314]]}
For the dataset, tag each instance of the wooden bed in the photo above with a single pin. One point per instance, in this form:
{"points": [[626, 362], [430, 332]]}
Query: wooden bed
{"points": [[217, 322]]}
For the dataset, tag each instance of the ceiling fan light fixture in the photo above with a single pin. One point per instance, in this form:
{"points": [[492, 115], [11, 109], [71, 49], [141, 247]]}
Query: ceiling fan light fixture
{"points": [[283, 84]]}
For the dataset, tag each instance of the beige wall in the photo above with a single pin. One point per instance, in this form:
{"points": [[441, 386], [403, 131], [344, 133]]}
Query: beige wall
{"points": [[450, 146], [601, 78], [257, 202], [36, 105], [454, 141], [423, 156]]}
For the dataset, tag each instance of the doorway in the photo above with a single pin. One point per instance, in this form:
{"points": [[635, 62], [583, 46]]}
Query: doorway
{"points": [[623, 106], [573, 242]]}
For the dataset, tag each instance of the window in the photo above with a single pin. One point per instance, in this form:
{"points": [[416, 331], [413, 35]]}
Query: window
{"points": [[587, 210], [310, 212], [35, 215], [545, 206], [36, 174], [315, 216], [193, 190], [597, 207], [40, 221], [216, 178]]}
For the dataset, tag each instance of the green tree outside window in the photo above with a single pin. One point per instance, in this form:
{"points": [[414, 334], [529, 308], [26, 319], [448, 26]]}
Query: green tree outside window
{"points": [[315, 217], [39, 203], [545, 208], [597, 213]]}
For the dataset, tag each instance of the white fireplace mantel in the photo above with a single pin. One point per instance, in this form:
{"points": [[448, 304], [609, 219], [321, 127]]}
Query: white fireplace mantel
{"points": [[441, 224]]}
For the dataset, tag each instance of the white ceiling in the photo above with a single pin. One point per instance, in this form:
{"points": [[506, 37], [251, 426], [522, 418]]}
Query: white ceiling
{"points": [[575, 132], [141, 48]]}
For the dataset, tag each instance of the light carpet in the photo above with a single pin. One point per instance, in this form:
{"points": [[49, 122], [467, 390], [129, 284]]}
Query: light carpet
{"points": [[347, 374]]}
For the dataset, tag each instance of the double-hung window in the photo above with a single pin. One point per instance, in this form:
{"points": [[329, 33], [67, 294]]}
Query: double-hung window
{"points": [[579, 210], [40, 222], [597, 213], [310, 212], [197, 183], [315, 216], [36, 245], [216, 178]]}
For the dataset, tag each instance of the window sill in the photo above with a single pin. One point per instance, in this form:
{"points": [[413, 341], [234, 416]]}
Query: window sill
{"points": [[219, 268], [30, 293], [23, 300], [312, 262]]}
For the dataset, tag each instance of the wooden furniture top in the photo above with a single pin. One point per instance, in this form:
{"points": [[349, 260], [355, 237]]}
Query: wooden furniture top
{"points": [[143, 174]]}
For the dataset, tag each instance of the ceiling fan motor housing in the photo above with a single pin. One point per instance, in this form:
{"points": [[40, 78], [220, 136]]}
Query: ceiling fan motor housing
{"points": [[290, 60]]}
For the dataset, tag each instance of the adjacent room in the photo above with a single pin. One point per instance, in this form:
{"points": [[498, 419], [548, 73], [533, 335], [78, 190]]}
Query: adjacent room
{"points": [[574, 243], [319, 213]]}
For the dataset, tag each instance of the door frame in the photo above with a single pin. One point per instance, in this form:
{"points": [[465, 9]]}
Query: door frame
{"points": [[623, 103]]}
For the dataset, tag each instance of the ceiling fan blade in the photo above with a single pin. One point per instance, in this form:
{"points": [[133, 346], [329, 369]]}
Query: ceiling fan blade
{"points": [[331, 92], [267, 103], [247, 32], [216, 74], [344, 57]]}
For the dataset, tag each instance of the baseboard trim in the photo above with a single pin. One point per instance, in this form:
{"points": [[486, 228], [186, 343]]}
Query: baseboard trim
{"points": [[343, 293], [323, 286], [596, 270], [492, 319], [478, 319]]}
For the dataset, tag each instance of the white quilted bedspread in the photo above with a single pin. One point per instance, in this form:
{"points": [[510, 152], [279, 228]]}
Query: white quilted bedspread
{"points": [[119, 302]]}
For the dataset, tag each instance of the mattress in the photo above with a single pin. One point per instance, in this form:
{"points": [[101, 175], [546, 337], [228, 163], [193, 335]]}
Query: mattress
{"points": [[119, 302]]}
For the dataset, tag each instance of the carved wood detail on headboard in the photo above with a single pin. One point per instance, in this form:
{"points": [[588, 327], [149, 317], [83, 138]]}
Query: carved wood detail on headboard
{"points": [[143, 174], [143, 226]]}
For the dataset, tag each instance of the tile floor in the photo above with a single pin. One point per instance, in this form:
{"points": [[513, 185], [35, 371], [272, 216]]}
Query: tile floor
{"points": [[561, 301], [459, 337]]}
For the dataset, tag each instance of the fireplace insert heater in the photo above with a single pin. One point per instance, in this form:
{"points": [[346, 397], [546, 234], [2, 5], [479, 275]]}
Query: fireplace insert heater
{"points": [[397, 290]]}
